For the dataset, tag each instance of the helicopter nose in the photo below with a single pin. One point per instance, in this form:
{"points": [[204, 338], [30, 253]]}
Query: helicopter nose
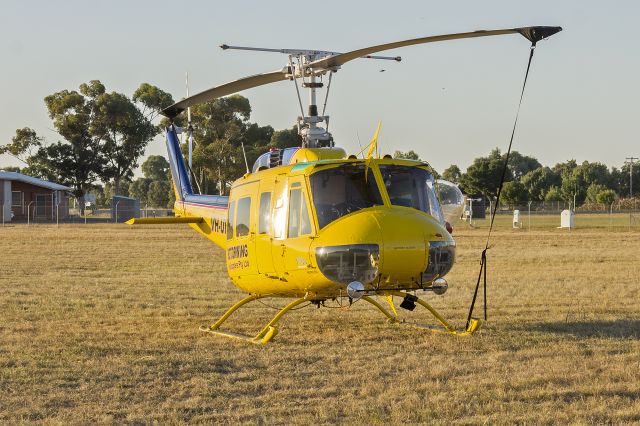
{"points": [[398, 246]]}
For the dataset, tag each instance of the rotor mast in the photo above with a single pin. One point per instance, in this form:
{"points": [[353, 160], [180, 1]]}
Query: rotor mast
{"points": [[312, 133]]}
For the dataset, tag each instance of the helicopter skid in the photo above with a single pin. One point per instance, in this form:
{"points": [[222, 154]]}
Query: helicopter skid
{"points": [[265, 335], [256, 340], [270, 330], [474, 323]]}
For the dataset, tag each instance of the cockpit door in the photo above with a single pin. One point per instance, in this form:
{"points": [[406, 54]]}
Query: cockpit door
{"points": [[293, 235]]}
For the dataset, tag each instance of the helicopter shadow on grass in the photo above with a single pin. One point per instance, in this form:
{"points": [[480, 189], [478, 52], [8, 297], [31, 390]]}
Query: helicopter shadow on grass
{"points": [[614, 329]]}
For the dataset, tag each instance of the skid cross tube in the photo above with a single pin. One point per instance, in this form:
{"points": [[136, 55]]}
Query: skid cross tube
{"points": [[267, 332]]}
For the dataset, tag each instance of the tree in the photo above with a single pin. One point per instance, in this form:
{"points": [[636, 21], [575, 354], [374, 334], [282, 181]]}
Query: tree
{"points": [[553, 194], [513, 192], [593, 190], [151, 98], [24, 145], [221, 129], [484, 174], [520, 164], [576, 181], [155, 167], [158, 194], [218, 127], [606, 197], [565, 168], [139, 189], [287, 138], [78, 161], [101, 200], [539, 181], [124, 134], [621, 180], [109, 190], [409, 155], [256, 140], [452, 174]]}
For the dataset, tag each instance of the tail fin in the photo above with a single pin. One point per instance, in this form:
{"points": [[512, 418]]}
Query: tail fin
{"points": [[181, 183]]}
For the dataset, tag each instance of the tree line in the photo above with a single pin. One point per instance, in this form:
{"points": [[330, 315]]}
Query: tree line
{"points": [[528, 180], [103, 135]]}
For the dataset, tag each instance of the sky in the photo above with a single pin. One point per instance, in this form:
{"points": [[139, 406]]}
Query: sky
{"points": [[450, 102]]}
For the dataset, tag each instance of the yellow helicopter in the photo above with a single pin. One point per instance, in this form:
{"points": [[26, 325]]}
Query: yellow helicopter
{"points": [[315, 224]]}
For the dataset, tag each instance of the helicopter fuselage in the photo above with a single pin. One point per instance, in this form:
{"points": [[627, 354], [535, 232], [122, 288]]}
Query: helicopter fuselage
{"points": [[310, 228]]}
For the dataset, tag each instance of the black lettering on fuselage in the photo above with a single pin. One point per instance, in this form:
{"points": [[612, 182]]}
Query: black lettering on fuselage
{"points": [[236, 252], [219, 226]]}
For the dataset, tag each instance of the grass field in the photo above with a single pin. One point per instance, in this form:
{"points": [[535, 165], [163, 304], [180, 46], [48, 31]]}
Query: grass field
{"points": [[100, 324]]}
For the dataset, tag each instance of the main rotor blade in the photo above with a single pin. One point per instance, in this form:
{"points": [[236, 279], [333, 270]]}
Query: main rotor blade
{"points": [[534, 34], [226, 89]]}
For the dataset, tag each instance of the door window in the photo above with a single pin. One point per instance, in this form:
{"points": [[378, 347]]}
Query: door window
{"points": [[230, 221], [242, 218], [299, 223], [264, 218], [305, 223]]}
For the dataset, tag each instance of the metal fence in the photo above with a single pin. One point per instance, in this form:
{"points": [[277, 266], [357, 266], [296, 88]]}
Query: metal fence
{"points": [[41, 210], [556, 207], [616, 216]]}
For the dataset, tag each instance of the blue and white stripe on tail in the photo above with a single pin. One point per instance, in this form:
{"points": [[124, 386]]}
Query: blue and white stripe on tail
{"points": [[181, 182]]}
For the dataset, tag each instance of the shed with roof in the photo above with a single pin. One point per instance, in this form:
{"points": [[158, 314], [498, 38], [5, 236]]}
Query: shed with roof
{"points": [[25, 197]]}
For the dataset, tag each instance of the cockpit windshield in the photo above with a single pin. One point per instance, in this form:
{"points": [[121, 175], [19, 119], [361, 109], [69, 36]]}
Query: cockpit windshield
{"points": [[342, 190], [411, 187]]}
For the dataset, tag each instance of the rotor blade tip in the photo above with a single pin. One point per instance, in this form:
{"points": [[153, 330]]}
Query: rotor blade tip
{"points": [[535, 34]]}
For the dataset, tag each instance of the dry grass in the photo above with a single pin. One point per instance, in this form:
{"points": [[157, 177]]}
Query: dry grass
{"points": [[100, 324]]}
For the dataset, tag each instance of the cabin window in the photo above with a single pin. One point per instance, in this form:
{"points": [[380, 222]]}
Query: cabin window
{"points": [[264, 219], [242, 217], [230, 222], [299, 223], [342, 190], [411, 187]]}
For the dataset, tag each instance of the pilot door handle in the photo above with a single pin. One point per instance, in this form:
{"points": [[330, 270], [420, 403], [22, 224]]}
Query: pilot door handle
{"points": [[283, 248]]}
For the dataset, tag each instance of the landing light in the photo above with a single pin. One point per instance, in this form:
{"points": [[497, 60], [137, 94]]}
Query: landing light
{"points": [[348, 263], [355, 290], [441, 257], [439, 286]]}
